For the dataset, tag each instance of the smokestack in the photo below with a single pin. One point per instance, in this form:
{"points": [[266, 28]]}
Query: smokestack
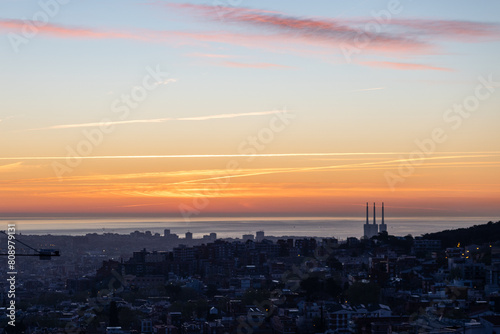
{"points": [[383, 213], [367, 222], [374, 216]]}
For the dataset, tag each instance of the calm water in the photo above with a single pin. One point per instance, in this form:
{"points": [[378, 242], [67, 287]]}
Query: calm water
{"points": [[235, 227]]}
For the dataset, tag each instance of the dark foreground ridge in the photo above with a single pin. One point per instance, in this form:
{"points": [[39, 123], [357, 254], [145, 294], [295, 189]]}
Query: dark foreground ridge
{"points": [[477, 234]]}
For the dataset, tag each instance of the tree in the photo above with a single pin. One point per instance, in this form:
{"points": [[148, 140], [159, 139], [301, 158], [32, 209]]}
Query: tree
{"points": [[113, 315], [332, 287], [211, 290], [319, 288], [334, 263], [363, 293], [254, 296], [173, 291], [312, 287]]}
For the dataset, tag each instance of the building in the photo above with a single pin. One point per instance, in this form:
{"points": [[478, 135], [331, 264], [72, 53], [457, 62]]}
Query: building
{"points": [[491, 323], [146, 326], [189, 236], [371, 230], [259, 236], [421, 245]]}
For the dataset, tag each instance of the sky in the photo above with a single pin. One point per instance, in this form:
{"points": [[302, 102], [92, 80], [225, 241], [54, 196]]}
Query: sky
{"points": [[249, 108]]}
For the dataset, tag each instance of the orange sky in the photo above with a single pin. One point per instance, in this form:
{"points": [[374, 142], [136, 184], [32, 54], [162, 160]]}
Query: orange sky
{"points": [[268, 108], [444, 185]]}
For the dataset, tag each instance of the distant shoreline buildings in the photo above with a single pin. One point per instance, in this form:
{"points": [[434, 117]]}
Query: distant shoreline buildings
{"points": [[371, 230]]}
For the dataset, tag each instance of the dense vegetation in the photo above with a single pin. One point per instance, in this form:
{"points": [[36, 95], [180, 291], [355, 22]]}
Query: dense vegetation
{"points": [[477, 234]]}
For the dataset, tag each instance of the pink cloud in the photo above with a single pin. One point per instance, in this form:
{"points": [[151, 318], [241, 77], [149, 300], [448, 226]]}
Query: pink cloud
{"points": [[404, 66], [175, 38], [277, 32], [319, 31], [60, 31], [252, 65], [466, 31], [208, 55], [409, 36]]}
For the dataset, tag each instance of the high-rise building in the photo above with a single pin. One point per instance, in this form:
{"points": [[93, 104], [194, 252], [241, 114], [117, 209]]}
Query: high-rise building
{"points": [[166, 233], [189, 236], [259, 236]]}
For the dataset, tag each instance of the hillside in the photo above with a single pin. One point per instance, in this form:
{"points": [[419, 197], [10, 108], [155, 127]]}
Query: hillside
{"points": [[477, 234]]}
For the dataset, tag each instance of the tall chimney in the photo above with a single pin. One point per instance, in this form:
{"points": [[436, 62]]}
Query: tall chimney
{"points": [[374, 216], [367, 213]]}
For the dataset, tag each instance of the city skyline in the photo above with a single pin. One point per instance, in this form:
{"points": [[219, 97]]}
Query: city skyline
{"points": [[195, 109]]}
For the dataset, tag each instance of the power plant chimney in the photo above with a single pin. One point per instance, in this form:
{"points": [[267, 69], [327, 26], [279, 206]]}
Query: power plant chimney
{"points": [[382, 212], [374, 216], [367, 222]]}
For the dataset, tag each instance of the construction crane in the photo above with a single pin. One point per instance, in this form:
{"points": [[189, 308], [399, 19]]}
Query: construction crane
{"points": [[43, 254]]}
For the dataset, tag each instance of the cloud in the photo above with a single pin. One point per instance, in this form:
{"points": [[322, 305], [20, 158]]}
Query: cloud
{"points": [[9, 117], [270, 155], [466, 31], [217, 60], [324, 30], [252, 65], [280, 32], [64, 32], [161, 120], [395, 35], [358, 166], [404, 66], [208, 55], [272, 43], [10, 167], [220, 116]]}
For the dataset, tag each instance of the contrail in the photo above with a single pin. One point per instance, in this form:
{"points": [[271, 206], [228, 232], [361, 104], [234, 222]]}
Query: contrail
{"points": [[174, 156], [323, 168], [159, 120]]}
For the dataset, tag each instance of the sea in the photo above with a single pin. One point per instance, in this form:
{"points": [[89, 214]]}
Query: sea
{"points": [[338, 227]]}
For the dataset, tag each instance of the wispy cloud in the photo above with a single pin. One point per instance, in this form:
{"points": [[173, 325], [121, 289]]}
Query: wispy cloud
{"points": [[222, 60], [275, 31], [466, 31], [354, 166], [252, 65], [161, 120], [325, 30], [138, 205], [271, 155], [67, 31], [221, 116], [409, 36], [193, 183], [10, 167], [9, 117], [208, 55], [404, 66]]}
